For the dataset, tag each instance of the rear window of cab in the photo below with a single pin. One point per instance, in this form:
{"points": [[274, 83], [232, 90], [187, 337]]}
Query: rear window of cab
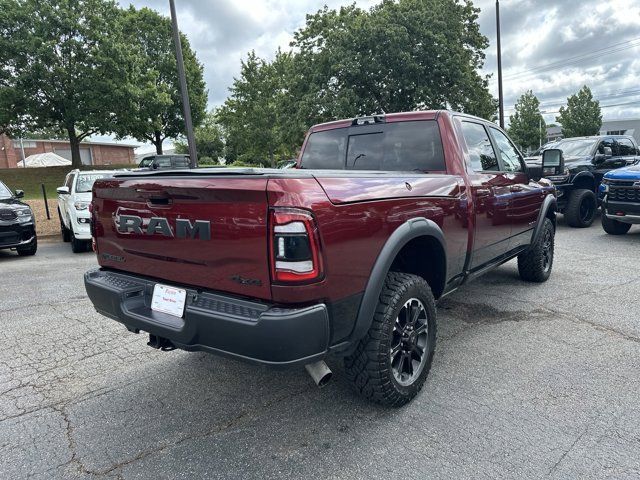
{"points": [[397, 146]]}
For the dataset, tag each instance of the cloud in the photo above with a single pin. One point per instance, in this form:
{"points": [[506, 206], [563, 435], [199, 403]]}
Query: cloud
{"points": [[585, 43], [535, 33]]}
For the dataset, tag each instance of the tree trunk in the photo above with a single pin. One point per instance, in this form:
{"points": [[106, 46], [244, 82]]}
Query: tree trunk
{"points": [[273, 161], [157, 135], [74, 142]]}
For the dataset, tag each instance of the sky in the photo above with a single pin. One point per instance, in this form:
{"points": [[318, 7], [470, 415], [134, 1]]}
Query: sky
{"points": [[552, 47]]}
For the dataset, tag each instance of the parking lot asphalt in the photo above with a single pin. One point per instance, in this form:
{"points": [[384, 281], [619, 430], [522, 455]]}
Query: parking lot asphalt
{"points": [[528, 381]]}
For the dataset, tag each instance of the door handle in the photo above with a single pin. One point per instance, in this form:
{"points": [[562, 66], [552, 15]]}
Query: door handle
{"points": [[516, 188], [483, 192]]}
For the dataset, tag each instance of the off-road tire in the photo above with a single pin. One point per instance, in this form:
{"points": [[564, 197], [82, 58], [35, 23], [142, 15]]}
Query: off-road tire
{"points": [[369, 367], [613, 227], [77, 246], [66, 235], [29, 250], [535, 264], [581, 208]]}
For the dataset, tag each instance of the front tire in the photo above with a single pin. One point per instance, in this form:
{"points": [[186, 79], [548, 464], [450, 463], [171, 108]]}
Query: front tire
{"points": [[392, 361], [77, 246], [614, 227], [535, 264], [64, 231], [29, 250], [581, 208]]}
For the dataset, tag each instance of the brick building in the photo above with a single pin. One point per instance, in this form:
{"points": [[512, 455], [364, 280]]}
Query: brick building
{"points": [[91, 153]]}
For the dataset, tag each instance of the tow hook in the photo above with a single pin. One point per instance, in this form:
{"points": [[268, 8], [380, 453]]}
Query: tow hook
{"points": [[160, 343]]}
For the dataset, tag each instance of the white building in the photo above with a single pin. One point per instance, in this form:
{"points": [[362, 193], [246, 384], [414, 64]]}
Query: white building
{"points": [[629, 126]]}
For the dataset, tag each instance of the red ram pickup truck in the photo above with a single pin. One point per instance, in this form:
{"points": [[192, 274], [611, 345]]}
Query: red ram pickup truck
{"points": [[343, 256]]}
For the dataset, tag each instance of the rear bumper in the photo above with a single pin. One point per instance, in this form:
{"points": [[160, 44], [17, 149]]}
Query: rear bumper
{"points": [[213, 322]]}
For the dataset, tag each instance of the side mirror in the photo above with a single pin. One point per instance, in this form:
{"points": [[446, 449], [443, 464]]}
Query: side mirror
{"points": [[534, 172], [552, 162], [62, 190], [154, 166], [19, 193]]}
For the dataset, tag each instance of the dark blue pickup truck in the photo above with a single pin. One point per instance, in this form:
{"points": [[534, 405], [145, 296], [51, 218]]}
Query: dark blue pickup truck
{"points": [[620, 194]]}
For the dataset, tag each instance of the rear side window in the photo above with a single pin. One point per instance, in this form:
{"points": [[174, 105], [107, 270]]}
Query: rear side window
{"points": [[181, 161], [400, 146], [325, 150], [626, 147], [481, 154]]}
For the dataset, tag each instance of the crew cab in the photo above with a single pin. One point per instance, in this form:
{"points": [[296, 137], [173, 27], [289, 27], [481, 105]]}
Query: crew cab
{"points": [[74, 198], [620, 193], [586, 160], [343, 256], [17, 223]]}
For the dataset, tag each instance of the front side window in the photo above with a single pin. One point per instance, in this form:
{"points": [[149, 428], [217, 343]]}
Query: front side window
{"points": [[608, 143], [508, 153], [4, 191], [146, 162], [69, 182], [481, 154], [163, 162]]}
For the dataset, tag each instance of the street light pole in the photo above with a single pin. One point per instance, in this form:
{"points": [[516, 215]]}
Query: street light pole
{"points": [[542, 112], [500, 97], [186, 106]]}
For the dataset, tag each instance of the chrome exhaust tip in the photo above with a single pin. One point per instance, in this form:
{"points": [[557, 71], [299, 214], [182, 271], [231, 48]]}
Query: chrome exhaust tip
{"points": [[320, 372]]}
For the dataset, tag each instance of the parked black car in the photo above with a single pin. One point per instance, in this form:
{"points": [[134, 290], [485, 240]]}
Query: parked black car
{"points": [[586, 160], [17, 223], [162, 162]]}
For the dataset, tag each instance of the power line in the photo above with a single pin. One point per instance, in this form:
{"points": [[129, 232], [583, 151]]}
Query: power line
{"points": [[614, 48], [614, 94], [601, 106]]}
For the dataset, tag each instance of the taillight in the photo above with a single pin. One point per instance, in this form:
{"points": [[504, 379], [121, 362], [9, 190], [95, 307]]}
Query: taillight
{"points": [[92, 227], [295, 246]]}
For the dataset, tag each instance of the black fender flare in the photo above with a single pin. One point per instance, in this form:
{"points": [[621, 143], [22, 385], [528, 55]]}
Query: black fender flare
{"points": [[549, 202], [409, 230], [585, 174]]}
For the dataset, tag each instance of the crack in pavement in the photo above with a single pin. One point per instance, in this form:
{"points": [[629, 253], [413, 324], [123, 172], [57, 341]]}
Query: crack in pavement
{"points": [[216, 429], [566, 452]]}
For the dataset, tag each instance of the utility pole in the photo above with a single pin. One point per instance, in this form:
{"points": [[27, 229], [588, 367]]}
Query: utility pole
{"points": [[186, 106], [500, 97]]}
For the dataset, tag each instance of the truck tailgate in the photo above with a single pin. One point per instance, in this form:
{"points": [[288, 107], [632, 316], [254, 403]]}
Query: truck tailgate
{"points": [[234, 259]]}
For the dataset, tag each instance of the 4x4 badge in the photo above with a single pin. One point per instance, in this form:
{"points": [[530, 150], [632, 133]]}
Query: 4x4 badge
{"points": [[636, 185]]}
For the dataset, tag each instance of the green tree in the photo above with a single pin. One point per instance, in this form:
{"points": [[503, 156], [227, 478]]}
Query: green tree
{"points": [[526, 125], [209, 139], [63, 65], [582, 115], [155, 110], [398, 56], [252, 115]]}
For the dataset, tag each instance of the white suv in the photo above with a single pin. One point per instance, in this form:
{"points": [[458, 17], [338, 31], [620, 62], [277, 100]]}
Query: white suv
{"points": [[74, 198]]}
